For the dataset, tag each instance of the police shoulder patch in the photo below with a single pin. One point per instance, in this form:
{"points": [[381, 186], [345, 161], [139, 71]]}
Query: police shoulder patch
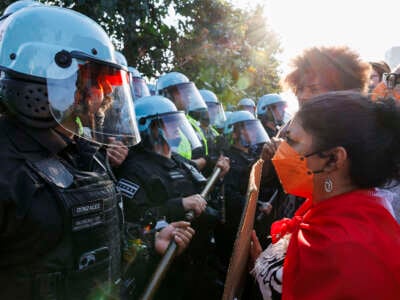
{"points": [[127, 188]]}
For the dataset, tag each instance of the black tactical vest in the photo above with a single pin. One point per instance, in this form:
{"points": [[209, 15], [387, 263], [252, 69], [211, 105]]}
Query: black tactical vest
{"points": [[85, 263]]}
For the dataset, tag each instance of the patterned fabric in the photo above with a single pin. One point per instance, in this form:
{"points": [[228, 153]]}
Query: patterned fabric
{"points": [[268, 269]]}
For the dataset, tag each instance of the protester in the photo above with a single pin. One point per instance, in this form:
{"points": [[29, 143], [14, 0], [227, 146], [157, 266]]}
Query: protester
{"points": [[389, 87], [377, 71], [316, 70], [343, 242], [323, 69]]}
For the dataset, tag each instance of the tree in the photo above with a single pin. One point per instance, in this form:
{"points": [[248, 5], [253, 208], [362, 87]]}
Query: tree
{"points": [[229, 51], [136, 27], [221, 48]]}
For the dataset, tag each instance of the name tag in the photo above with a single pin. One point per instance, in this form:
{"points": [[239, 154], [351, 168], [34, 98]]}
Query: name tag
{"points": [[83, 223], [88, 208]]}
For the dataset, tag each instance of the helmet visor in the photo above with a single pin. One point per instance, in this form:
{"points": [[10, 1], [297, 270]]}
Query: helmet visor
{"points": [[177, 131], [217, 114], [94, 102], [252, 133], [186, 97], [249, 108], [277, 113], [139, 88]]}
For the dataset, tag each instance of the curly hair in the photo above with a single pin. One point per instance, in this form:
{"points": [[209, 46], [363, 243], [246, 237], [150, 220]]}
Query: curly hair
{"points": [[339, 68]]}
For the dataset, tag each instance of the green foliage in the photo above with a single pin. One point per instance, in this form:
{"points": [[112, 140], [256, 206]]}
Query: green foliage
{"points": [[227, 50]]}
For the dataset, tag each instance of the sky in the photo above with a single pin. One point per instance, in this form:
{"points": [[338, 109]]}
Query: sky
{"points": [[364, 25]]}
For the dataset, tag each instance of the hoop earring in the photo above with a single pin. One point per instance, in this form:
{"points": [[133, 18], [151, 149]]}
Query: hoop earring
{"points": [[328, 185]]}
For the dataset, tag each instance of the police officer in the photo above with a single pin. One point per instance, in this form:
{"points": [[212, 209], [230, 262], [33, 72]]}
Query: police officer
{"points": [[164, 186], [243, 131], [186, 97], [271, 110], [247, 104], [60, 220]]}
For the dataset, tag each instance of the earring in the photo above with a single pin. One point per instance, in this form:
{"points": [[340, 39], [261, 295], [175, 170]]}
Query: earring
{"points": [[328, 185]]}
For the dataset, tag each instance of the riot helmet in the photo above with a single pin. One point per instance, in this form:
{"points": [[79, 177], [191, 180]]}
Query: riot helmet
{"points": [[242, 128], [64, 74], [120, 58], [138, 84], [271, 110], [17, 5], [163, 127], [215, 109], [184, 93], [247, 104]]}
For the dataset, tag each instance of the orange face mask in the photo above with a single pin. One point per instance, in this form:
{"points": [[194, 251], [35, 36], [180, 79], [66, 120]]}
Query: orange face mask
{"points": [[292, 170]]}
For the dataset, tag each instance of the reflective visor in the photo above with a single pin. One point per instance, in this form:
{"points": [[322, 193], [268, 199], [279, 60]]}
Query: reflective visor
{"points": [[249, 108], [139, 88], [252, 133], [186, 97], [277, 113], [217, 114], [94, 102], [178, 132]]}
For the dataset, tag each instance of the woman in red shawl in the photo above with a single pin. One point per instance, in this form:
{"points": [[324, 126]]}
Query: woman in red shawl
{"points": [[343, 242]]}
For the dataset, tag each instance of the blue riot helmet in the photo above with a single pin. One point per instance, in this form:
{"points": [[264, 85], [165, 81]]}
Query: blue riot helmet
{"points": [[247, 104], [215, 109], [152, 88], [271, 110], [138, 84], [184, 93], [161, 124], [64, 74], [241, 127], [17, 5], [120, 58]]}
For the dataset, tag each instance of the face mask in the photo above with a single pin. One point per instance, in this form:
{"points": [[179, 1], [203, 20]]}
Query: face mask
{"points": [[292, 170]]}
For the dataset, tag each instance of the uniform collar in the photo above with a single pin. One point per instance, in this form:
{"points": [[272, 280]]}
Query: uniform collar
{"points": [[47, 138]]}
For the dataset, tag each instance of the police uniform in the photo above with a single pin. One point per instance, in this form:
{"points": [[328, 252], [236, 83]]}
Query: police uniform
{"points": [[59, 218], [236, 182], [153, 187]]}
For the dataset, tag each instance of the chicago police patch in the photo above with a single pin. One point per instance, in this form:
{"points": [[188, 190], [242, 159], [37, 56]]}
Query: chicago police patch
{"points": [[127, 188]]}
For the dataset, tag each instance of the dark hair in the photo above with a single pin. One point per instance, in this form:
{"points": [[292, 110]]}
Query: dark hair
{"points": [[339, 68], [369, 131]]}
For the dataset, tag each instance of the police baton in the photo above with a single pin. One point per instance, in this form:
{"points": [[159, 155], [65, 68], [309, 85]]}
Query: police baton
{"points": [[172, 249]]}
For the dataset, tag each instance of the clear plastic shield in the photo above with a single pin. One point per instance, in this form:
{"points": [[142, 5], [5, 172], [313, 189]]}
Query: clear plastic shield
{"points": [[94, 102]]}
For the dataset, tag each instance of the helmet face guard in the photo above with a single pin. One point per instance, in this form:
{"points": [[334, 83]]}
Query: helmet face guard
{"points": [[250, 133], [94, 101], [139, 88], [217, 114], [249, 108], [185, 96], [276, 113], [172, 128]]}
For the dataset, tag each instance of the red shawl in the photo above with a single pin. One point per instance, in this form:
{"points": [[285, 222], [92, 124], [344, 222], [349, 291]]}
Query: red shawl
{"points": [[345, 247]]}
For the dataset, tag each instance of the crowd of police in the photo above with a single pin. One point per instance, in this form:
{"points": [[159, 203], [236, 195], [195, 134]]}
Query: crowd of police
{"points": [[99, 173]]}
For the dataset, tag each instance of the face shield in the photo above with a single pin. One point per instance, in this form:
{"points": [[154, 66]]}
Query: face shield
{"points": [[251, 133], [186, 97], [94, 101], [249, 108], [139, 88], [277, 114], [175, 129], [217, 114]]}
